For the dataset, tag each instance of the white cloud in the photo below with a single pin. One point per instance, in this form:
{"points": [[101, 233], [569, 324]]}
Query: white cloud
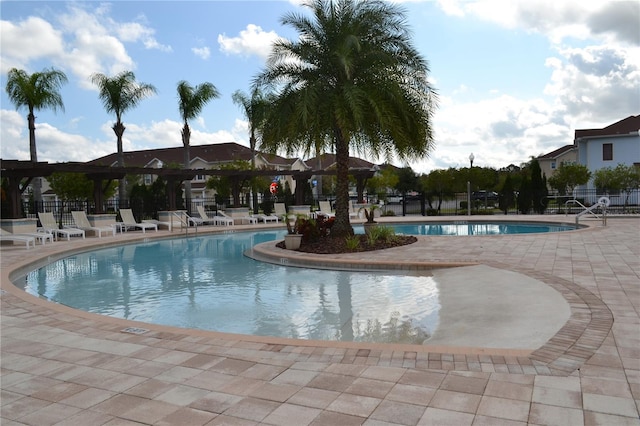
{"points": [[52, 144], [28, 40], [82, 40], [201, 52], [558, 20], [253, 41]]}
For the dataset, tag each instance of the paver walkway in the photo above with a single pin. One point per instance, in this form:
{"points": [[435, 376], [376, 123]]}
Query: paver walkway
{"points": [[64, 367]]}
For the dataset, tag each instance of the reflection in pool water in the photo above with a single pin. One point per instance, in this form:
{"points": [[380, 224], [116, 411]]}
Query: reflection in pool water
{"points": [[206, 283]]}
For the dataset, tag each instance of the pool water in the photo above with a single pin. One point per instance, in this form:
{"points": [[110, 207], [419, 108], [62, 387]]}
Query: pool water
{"points": [[206, 283]]}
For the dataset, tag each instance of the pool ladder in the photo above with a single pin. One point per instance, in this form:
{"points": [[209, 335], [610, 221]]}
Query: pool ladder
{"points": [[186, 221], [603, 203]]}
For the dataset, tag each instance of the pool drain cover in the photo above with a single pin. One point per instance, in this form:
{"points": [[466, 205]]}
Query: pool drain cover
{"points": [[135, 330]]}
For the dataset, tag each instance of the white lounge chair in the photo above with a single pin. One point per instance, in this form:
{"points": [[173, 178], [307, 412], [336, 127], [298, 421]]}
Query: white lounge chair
{"points": [[266, 218], [50, 225], [242, 219], [81, 221], [325, 209], [158, 223], [8, 236], [223, 219], [130, 222], [204, 217]]}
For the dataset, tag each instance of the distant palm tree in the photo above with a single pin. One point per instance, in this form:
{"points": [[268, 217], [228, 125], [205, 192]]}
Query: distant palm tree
{"points": [[36, 91], [255, 109], [191, 100], [119, 94], [351, 80]]}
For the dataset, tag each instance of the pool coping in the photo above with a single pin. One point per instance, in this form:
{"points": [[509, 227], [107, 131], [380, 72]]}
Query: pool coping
{"points": [[589, 323]]}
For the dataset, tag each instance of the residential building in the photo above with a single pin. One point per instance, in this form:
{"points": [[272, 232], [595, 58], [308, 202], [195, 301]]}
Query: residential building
{"points": [[618, 143], [550, 162]]}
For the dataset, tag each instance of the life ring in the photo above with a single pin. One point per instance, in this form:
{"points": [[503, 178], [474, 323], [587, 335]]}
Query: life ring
{"points": [[604, 201]]}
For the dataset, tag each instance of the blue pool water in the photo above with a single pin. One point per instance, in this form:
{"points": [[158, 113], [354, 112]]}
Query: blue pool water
{"points": [[207, 283]]}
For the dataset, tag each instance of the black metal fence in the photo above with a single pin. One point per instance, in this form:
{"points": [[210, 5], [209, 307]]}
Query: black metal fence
{"points": [[392, 205]]}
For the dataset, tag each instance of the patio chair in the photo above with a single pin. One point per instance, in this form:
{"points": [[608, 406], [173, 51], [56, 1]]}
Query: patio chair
{"points": [[266, 218], [81, 221], [242, 219], [130, 222], [50, 225], [223, 219], [204, 217], [8, 236], [325, 209]]}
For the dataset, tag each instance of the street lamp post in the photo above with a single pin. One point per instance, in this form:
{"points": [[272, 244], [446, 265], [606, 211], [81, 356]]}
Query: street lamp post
{"points": [[471, 157]]}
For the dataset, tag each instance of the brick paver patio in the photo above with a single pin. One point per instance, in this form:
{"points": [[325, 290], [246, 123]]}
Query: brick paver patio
{"points": [[64, 367]]}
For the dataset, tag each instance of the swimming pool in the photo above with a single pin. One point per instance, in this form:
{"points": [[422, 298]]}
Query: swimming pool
{"points": [[207, 283], [468, 228]]}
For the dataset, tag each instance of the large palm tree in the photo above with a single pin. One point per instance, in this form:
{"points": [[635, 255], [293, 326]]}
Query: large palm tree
{"points": [[351, 81], [255, 109], [191, 100], [119, 94], [36, 91]]}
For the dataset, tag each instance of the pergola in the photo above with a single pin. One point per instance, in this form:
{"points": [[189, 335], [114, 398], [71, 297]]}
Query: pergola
{"points": [[20, 173]]}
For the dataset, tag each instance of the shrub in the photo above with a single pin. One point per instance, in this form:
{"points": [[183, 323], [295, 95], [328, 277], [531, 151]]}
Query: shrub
{"points": [[383, 233], [352, 242]]}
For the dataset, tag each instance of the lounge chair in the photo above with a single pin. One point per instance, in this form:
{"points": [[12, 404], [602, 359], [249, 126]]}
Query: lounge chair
{"points": [[50, 225], [158, 223], [266, 218], [325, 209], [8, 236], [130, 222], [204, 217], [242, 219], [81, 221], [224, 220], [281, 211]]}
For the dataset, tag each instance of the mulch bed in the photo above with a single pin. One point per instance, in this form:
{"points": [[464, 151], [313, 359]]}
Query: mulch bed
{"points": [[338, 245]]}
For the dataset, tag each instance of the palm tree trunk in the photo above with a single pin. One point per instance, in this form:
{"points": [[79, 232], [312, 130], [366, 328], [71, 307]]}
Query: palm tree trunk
{"points": [[37, 182], [186, 137], [342, 227], [118, 129], [254, 189]]}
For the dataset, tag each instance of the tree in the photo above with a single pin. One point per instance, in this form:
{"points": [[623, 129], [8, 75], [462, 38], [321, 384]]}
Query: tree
{"points": [[69, 186], [35, 92], [255, 110], [351, 80], [439, 184], [568, 176], [191, 101], [506, 196], [118, 95], [524, 195], [621, 178], [539, 191]]}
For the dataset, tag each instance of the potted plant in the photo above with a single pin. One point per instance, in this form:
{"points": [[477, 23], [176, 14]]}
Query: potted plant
{"points": [[369, 214], [293, 238]]}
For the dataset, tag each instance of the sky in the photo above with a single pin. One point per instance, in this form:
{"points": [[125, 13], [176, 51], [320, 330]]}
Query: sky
{"points": [[515, 79]]}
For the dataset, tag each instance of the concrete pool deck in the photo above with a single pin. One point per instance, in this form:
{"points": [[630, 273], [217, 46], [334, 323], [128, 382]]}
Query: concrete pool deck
{"points": [[61, 366]]}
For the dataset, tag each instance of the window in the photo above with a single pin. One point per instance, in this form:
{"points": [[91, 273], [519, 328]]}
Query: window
{"points": [[607, 151], [553, 165], [148, 179]]}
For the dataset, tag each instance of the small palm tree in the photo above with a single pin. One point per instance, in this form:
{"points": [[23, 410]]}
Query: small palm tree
{"points": [[191, 100], [352, 80], [36, 91], [119, 94], [255, 109]]}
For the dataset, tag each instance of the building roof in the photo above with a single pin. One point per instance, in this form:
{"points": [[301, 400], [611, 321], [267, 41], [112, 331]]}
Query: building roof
{"points": [[558, 152], [329, 160], [213, 153], [629, 125]]}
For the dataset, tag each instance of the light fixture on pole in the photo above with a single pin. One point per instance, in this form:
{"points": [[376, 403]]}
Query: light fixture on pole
{"points": [[471, 157]]}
